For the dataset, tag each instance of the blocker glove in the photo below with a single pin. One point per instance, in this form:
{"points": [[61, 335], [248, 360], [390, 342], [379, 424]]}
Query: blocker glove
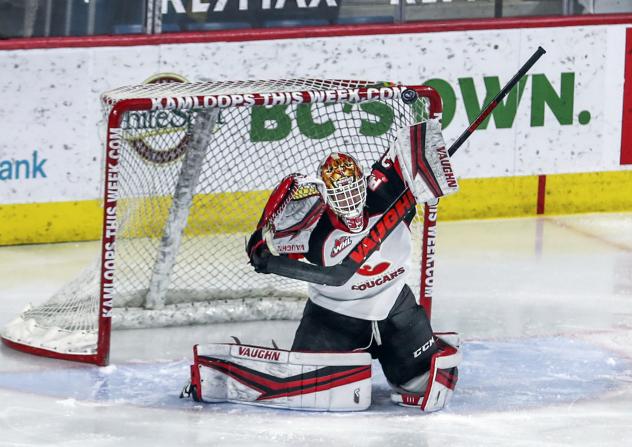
{"points": [[258, 252]]}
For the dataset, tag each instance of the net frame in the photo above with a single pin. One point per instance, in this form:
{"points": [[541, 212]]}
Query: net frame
{"points": [[217, 96]]}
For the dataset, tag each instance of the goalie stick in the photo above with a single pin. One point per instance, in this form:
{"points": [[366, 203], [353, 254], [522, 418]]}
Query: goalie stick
{"points": [[339, 274], [494, 102]]}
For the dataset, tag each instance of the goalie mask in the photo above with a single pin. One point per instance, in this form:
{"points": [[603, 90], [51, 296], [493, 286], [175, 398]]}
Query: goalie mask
{"points": [[345, 188]]}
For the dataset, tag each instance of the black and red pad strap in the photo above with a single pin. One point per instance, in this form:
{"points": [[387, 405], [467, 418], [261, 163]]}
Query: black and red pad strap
{"points": [[272, 387]]}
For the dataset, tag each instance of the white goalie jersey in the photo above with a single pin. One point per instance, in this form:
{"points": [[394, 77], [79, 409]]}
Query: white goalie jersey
{"points": [[307, 228]]}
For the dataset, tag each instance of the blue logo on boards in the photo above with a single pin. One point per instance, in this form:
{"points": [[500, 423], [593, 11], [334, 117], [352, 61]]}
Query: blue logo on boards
{"points": [[26, 169]]}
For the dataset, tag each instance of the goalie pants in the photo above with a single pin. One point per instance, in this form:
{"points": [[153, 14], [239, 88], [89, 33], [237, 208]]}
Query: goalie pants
{"points": [[404, 345]]}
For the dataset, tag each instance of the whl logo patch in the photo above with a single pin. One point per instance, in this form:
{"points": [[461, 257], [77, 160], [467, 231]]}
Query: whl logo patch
{"points": [[339, 245]]}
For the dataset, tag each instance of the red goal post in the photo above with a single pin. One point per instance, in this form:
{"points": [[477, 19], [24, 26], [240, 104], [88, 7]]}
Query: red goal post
{"points": [[174, 192]]}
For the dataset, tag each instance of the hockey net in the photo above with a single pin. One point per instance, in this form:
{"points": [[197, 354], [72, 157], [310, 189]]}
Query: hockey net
{"points": [[188, 169]]}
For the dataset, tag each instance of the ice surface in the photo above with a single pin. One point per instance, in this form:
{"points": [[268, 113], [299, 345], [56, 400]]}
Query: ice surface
{"points": [[544, 307]]}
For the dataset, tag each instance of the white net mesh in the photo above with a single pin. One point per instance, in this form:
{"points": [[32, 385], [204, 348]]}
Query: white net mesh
{"points": [[250, 150], [228, 88]]}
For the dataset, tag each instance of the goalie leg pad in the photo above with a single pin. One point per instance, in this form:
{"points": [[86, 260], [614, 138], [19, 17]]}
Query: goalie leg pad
{"points": [[283, 379], [433, 390]]}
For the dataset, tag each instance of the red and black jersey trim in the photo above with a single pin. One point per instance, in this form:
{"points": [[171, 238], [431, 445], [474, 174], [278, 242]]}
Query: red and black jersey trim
{"points": [[419, 160], [272, 387], [448, 377]]}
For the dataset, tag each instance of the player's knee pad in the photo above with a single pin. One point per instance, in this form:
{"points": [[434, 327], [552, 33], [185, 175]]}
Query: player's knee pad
{"points": [[433, 390], [237, 373]]}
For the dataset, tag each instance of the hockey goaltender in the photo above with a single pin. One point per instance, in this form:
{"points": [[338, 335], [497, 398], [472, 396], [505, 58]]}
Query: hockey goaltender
{"points": [[342, 220]]}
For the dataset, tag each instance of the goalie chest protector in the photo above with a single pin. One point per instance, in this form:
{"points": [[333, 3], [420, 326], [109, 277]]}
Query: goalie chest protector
{"points": [[372, 290]]}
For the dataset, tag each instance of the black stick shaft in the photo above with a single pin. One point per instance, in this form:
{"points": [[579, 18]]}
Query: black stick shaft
{"points": [[499, 97]]}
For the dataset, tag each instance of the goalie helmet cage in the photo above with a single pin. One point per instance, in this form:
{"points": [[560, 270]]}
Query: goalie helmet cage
{"points": [[188, 169]]}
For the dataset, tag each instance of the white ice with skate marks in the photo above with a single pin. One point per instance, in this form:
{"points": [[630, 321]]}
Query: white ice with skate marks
{"points": [[494, 376], [544, 307]]}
